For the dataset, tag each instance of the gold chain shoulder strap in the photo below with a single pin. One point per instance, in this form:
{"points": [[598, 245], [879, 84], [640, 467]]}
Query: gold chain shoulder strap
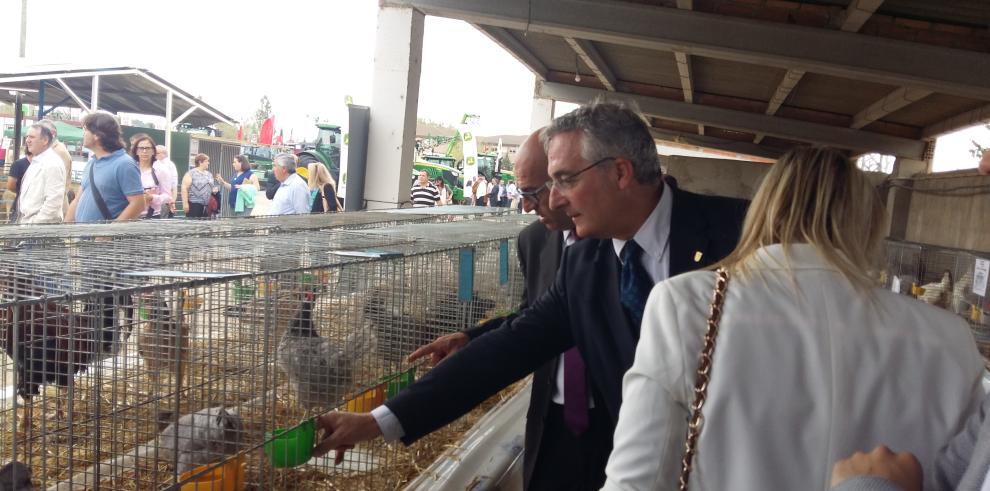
{"points": [[703, 376]]}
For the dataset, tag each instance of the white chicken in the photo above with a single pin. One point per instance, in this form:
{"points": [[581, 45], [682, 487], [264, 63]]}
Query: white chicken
{"points": [[938, 294]]}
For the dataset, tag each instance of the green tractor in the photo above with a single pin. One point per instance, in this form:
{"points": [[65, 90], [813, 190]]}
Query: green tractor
{"points": [[452, 178], [325, 150]]}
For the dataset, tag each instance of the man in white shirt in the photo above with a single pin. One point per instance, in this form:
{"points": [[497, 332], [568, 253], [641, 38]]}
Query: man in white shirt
{"points": [[292, 197], [63, 154], [42, 195], [481, 193], [169, 175]]}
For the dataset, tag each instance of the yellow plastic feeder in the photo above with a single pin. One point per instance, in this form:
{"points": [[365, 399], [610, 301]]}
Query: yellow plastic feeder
{"points": [[367, 400], [227, 477]]}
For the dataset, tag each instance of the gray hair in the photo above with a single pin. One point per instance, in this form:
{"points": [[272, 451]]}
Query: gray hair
{"points": [[47, 123], [45, 131], [611, 129], [161, 148], [286, 161]]}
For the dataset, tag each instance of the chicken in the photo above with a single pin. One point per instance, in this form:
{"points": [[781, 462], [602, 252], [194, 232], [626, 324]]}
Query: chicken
{"points": [[162, 343], [15, 476], [399, 333], [962, 295], [938, 294], [50, 343], [203, 437], [320, 370]]}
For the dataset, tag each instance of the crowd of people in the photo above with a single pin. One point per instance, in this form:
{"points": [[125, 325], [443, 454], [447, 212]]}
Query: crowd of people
{"points": [[682, 341], [139, 180], [479, 191]]}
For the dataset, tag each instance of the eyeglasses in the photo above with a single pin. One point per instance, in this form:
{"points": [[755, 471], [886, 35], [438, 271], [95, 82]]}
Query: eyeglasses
{"points": [[567, 182], [534, 196], [145, 149]]}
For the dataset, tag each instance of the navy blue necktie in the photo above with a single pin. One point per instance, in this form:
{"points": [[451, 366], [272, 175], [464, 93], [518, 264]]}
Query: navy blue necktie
{"points": [[634, 282]]}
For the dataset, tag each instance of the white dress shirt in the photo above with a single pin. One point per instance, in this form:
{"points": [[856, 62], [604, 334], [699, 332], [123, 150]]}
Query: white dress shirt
{"points": [[291, 198], [807, 370], [43, 191]]}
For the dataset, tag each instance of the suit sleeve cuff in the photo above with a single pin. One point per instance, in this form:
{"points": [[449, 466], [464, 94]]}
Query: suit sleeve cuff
{"points": [[867, 483], [388, 423]]}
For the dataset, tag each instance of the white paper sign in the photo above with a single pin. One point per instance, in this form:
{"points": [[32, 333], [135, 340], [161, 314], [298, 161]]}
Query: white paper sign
{"points": [[980, 273], [895, 284]]}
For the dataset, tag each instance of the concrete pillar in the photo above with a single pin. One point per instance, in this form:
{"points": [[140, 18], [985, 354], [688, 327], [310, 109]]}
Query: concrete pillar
{"points": [[394, 103], [542, 112], [899, 198]]}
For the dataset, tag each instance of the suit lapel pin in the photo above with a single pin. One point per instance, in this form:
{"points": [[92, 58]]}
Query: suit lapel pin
{"points": [[697, 256]]}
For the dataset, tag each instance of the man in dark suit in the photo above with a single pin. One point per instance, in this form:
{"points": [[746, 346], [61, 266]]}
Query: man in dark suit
{"points": [[605, 174], [550, 448]]}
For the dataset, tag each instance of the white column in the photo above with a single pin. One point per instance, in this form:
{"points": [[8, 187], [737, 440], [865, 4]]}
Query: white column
{"points": [[168, 122], [394, 103], [542, 112], [94, 100]]}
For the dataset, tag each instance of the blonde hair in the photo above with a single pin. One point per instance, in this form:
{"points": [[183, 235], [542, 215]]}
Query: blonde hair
{"points": [[319, 175], [816, 196]]}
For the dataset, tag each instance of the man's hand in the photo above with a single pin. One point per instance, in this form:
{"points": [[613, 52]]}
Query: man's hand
{"points": [[441, 347], [341, 431], [901, 468]]}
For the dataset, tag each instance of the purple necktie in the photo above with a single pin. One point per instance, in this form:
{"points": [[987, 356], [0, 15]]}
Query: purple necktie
{"points": [[575, 393]]}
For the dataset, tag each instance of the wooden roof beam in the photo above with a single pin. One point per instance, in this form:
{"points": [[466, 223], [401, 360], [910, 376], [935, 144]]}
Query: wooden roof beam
{"points": [[790, 129], [835, 53]]}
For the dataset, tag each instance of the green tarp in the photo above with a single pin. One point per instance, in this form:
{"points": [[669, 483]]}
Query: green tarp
{"points": [[66, 132]]}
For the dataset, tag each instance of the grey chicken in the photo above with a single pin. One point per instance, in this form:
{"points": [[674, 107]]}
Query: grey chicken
{"points": [[15, 476], [320, 370], [206, 436], [399, 334]]}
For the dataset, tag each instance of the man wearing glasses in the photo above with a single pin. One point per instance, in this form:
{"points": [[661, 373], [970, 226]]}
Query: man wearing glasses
{"points": [[550, 446], [605, 175]]}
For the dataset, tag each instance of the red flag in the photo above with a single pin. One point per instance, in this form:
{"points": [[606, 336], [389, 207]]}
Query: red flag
{"points": [[240, 132], [278, 141], [267, 131]]}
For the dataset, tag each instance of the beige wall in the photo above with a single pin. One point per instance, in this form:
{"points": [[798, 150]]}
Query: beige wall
{"points": [[719, 177], [950, 221]]}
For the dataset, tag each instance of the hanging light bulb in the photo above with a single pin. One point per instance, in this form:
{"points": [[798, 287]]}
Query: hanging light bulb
{"points": [[577, 75]]}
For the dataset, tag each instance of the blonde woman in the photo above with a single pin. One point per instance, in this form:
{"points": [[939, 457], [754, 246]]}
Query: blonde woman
{"points": [[811, 362], [323, 189]]}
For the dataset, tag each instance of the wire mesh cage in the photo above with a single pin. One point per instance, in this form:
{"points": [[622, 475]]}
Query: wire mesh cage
{"points": [[136, 364], [945, 278]]}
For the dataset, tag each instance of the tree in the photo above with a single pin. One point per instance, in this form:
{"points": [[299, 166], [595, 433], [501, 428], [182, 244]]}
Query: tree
{"points": [[264, 112], [977, 150]]}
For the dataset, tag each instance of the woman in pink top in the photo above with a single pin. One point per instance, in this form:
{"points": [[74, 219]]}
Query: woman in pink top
{"points": [[155, 192]]}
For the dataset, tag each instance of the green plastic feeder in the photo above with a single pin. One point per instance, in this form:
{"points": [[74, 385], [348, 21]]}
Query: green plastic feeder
{"points": [[292, 447], [400, 381], [243, 293]]}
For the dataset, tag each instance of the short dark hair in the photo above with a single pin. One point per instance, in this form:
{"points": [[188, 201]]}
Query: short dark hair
{"points": [[245, 163], [106, 130]]}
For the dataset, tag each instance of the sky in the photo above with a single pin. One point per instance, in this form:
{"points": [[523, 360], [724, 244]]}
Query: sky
{"points": [[305, 55]]}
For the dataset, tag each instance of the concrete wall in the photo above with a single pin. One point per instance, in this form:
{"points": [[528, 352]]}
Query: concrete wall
{"points": [[718, 177], [951, 221]]}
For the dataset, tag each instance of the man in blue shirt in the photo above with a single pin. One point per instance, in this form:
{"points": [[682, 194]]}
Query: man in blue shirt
{"points": [[293, 194], [114, 175]]}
